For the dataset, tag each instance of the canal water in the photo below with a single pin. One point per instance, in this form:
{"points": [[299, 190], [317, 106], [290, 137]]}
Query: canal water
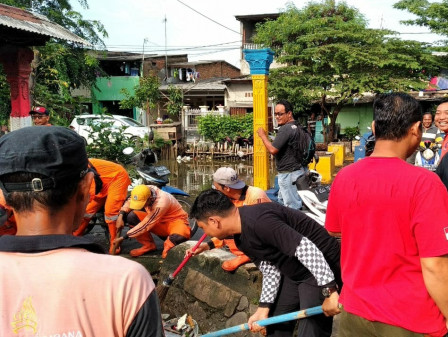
{"points": [[191, 177], [195, 176]]}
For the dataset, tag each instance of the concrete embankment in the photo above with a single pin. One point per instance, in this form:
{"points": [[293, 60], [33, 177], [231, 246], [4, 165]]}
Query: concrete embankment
{"points": [[214, 298]]}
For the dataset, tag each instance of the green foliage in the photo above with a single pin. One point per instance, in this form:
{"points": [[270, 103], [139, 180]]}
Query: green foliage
{"points": [[219, 128], [146, 94], [429, 14], [175, 101], [351, 132], [331, 56], [109, 143], [158, 142], [62, 13], [5, 101], [61, 66]]}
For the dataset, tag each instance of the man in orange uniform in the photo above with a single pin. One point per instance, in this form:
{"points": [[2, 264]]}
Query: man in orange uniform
{"points": [[109, 189], [154, 211], [225, 180]]}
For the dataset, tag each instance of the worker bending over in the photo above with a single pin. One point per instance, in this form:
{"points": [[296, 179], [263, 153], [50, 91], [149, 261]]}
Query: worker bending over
{"points": [[109, 189], [151, 210]]}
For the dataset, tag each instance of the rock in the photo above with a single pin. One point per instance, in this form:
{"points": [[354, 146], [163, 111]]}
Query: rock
{"points": [[150, 262], [237, 319], [244, 303], [252, 309], [212, 296], [196, 311], [215, 294]]}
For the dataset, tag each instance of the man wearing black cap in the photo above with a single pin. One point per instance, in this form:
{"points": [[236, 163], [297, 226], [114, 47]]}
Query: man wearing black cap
{"points": [[40, 116], [53, 282]]}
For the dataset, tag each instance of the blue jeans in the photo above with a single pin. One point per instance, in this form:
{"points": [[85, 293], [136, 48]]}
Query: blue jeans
{"points": [[287, 193]]}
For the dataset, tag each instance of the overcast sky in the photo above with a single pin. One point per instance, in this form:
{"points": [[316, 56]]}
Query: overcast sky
{"points": [[129, 22]]}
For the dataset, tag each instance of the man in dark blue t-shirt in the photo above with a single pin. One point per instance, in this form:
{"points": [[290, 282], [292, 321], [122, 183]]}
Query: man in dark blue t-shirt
{"points": [[288, 167]]}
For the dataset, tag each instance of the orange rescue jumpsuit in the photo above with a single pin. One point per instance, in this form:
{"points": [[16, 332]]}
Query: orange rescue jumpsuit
{"points": [[112, 195], [250, 196], [166, 219]]}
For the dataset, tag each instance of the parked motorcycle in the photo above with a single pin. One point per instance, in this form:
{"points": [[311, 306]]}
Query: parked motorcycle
{"points": [[149, 174], [427, 155], [369, 143], [314, 195]]}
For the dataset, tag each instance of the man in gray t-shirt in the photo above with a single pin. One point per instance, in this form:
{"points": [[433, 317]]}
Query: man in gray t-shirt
{"points": [[288, 167]]}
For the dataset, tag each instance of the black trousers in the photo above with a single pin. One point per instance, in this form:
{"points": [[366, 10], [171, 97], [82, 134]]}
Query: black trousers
{"points": [[295, 296]]}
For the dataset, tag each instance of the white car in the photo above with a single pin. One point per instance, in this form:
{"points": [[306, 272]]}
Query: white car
{"points": [[81, 124]]}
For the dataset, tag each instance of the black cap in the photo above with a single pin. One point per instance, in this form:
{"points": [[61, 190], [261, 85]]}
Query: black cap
{"points": [[55, 152]]}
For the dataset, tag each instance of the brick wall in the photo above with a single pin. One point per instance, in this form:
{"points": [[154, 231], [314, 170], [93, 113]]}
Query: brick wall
{"points": [[216, 69]]}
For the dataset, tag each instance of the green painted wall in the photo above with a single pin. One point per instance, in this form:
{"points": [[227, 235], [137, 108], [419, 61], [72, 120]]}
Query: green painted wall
{"points": [[108, 89], [351, 115]]}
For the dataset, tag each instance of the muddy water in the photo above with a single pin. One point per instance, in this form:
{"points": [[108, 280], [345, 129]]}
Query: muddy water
{"points": [[196, 176]]}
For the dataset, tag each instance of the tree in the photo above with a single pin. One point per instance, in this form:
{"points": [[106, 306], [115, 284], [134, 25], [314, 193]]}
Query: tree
{"points": [[61, 66], [5, 102], [432, 15], [146, 94], [175, 101], [62, 13], [330, 56]]}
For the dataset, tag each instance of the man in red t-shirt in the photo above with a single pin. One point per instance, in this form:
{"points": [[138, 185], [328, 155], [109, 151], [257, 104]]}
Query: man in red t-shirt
{"points": [[393, 220]]}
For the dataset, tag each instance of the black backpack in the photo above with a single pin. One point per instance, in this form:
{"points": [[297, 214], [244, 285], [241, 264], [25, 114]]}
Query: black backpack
{"points": [[304, 146]]}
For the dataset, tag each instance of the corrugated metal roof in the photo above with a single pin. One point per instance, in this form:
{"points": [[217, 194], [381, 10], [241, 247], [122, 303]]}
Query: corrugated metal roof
{"points": [[209, 84], [20, 19], [257, 17]]}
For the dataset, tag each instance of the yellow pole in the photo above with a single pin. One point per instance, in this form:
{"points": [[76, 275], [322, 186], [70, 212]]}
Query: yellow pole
{"points": [[259, 61], [261, 155]]}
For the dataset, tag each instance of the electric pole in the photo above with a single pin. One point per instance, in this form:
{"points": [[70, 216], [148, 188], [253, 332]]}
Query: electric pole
{"points": [[166, 55]]}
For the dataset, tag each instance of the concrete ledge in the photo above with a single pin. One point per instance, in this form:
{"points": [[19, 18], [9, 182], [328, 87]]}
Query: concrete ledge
{"points": [[215, 298]]}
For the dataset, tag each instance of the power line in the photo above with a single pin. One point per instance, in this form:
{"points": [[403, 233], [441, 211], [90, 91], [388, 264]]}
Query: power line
{"points": [[138, 48], [209, 18]]}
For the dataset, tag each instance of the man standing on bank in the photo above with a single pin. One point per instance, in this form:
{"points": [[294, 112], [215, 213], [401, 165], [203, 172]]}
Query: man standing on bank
{"points": [[393, 220], [299, 260], [288, 167], [54, 283]]}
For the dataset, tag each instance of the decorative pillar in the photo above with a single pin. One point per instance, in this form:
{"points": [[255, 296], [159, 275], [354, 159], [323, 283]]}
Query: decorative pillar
{"points": [[17, 67], [259, 61]]}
